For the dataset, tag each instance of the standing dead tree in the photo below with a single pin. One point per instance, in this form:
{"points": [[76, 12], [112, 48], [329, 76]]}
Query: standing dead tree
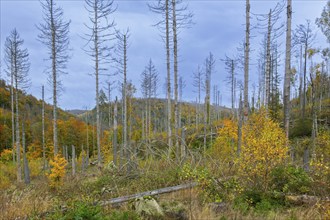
{"points": [[198, 84], [304, 36], [18, 65], [54, 34], [230, 67], [121, 64], [163, 8], [269, 25], [246, 58], [209, 69], [288, 75], [43, 128], [98, 38], [175, 17], [149, 82]]}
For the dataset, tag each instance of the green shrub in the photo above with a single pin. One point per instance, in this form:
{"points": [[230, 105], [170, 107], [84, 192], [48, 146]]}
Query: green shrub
{"points": [[258, 200], [301, 128], [290, 179], [79, 211]]}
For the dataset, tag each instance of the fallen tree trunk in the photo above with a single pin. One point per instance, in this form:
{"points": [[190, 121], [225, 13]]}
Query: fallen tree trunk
{"points": [[148, 193]]}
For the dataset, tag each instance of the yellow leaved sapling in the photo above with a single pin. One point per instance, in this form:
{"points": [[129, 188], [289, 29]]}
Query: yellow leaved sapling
{"points": [[57, 171], [263, 148]]}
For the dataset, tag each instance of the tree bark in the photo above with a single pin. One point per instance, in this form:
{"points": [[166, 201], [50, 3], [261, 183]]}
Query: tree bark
{"points": [[246, 60], [268, 62], [73, 160], [25, 160], [115, 118], [18, 145], [175, 60], [168, 69], [43, 129], [12, 108], [287, 78]]}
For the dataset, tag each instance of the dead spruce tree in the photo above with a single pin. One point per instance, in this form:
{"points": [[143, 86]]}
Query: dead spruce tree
{"points": [[198, 85], [121, 64], [18, 65], [163, 8], [303, 35], [269, 25], [175, 17], [98, 41], [230, 64], [209, 69], [288, 75], [54, 34], [43, 128], [27, 179], [246, 58], [149, 83]]}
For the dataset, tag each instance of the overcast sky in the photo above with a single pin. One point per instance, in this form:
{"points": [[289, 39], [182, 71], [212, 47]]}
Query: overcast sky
{"points": [[219, 28]]}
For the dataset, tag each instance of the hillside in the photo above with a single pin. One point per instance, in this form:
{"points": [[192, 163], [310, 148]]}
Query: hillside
{"points": [[30, 111]]}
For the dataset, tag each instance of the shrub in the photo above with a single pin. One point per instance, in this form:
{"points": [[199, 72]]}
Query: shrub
{"points": [[264, 147], [290, 179], [226, 143], [301, 128], [79, 210], [57, 171], [7, 174], [261, 202], [6, 155], [83, 210]]}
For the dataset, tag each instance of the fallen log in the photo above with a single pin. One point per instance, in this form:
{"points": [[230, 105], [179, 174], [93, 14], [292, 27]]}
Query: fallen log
{"points": [[148, 193]]}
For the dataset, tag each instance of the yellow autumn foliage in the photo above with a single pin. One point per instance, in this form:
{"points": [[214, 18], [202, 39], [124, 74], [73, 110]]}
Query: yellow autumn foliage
{"points": [[57, 171], [226, 143], [263, 148]]}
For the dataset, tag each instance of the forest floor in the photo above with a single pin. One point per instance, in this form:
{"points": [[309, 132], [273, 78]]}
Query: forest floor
{"points": [[79, 195]]}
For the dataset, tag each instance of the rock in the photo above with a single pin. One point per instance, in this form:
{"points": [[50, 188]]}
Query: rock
{"points": [[106, 190], [148, 206]]}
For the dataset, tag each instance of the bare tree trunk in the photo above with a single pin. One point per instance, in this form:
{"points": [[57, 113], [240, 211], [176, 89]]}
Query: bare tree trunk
{"points": [[197, 115], [168, 69], [301, 96], [73, 159], [246, 60], [12, 112], [66, 153], [205, 123], [125, 147], [115, 132], [232, 86], [287, 78], [87, 139], [18, 145], [175, 60], [304, 82], [25, 160], [314, 116], [43, 129], [54, 75], [268, 61], [82, 159], [240, 124], [98, 125]]}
